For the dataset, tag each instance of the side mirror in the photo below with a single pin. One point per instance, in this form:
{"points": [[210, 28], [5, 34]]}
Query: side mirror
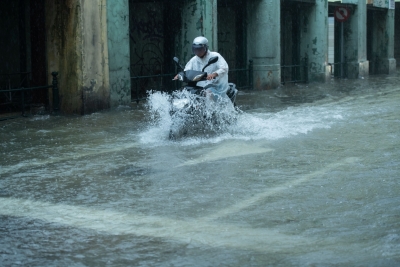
{"points": [[212, 60], [176, 60]]}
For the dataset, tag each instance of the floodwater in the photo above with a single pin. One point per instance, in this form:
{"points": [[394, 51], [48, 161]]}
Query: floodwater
{"points": [[308, 176]]}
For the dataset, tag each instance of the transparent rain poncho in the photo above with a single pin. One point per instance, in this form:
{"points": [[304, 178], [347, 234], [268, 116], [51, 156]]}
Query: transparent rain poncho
{"points": [[220, 67]]}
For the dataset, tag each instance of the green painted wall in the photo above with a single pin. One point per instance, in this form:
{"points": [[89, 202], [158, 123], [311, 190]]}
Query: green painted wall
{"points": [[355, 42], [381, 23], [314, 39], [199, 18], [119, 52], [263, 42]]}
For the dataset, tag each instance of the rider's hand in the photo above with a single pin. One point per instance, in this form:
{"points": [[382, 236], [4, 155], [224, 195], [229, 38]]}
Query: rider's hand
{"points": [[176, 77], [212, 76]]}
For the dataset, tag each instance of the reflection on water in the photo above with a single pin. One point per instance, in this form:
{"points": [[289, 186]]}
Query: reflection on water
{"points": [[308, 175]]}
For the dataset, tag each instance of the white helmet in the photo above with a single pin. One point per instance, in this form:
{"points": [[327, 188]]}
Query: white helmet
{"points": [[200, 45], [200, 41]]}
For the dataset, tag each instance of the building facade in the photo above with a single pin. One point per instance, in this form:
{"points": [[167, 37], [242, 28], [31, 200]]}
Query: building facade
{"points": [[98, 47]]}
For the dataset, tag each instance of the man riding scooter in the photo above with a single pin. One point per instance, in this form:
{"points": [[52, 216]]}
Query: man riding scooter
{"points": [[217, 73]]}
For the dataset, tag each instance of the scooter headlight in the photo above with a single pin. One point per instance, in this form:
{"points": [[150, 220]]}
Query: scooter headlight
{"points": [[198, 77]]}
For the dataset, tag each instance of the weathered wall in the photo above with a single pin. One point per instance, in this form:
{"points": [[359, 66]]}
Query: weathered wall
{"points": [[314, 39], [382, 41], [383, 3], [118, 52], [199, 18], [64, 52], [355, 45], [96, 83], [77, 48], [264, 42]]}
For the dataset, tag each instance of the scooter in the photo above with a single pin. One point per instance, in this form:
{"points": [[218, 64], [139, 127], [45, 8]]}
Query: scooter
{"points": [[191, 110], [196, 81]]}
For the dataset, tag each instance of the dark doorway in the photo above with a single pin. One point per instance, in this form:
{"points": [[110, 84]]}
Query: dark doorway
{"points": [[376, 19], [397, 34], [290, 41], [232, 38], [154, 25], [337, 32], [22, 54]]}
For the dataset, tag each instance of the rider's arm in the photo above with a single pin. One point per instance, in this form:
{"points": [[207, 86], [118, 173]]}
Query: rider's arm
{"points": [[222, 67], [189, 65]]}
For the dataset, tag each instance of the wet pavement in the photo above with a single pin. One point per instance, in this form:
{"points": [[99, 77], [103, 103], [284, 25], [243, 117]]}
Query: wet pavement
{"points": [[308, 176]]}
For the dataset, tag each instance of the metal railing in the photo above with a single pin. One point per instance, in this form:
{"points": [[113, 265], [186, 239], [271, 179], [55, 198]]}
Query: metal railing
{"points": [[243, 77], [163, 82], [298, 73], [23, 79], [140, 85], [22, 102], [341, 69]]}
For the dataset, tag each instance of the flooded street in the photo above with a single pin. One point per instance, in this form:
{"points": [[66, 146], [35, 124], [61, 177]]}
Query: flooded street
{"points": [[308, 176]]}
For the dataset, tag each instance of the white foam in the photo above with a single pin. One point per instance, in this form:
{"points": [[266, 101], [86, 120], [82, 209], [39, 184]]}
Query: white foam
{"points": [[249, 126], [194, 231]]}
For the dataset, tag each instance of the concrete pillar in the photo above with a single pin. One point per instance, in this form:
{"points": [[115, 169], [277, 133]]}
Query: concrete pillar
{"points": [[78, 50], [199, 18], [118, 52], [383, 42], [314, 39], [355, 42], [263, 42]]}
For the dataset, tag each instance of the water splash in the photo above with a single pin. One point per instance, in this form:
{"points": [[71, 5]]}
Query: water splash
{"points": [[201, 116], [184, 115], [40, 117], [221, 122]]}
